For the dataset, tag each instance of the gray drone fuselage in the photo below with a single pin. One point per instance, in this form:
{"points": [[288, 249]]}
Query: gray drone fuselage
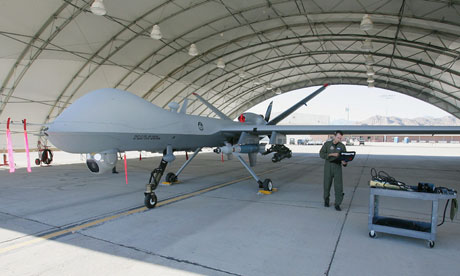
{"points": [[115, 120]]}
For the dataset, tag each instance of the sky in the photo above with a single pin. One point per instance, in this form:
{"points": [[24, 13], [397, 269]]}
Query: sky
{"points": [[362, 102]]}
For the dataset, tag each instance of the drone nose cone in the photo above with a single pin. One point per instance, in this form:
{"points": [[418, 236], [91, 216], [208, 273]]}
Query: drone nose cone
{"points": [[52, 128], [49, 129]]}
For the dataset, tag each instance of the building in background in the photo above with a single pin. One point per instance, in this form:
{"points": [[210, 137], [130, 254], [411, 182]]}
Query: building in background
{"points": [[305, 119]]}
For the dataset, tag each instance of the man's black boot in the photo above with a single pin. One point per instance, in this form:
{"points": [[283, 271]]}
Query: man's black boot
{"points": [[326, 203], [337, 207]]}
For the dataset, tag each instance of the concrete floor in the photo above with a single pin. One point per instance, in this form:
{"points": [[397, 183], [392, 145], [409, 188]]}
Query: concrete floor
{"points": [[230, 230]]}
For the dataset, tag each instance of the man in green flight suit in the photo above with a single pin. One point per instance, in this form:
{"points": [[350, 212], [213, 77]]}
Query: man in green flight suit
{"points": [[330, 152]]}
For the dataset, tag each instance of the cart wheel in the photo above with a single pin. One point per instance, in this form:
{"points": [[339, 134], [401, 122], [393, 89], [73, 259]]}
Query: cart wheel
{"points": [[372, 234], [430, 244]]}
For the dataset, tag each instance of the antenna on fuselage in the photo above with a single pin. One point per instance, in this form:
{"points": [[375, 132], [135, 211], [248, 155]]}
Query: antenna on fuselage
{"points": [[173, 106], [183, 109]]}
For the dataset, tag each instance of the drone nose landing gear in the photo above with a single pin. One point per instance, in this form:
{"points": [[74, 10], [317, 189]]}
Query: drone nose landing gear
{"points": [[150, 199]]}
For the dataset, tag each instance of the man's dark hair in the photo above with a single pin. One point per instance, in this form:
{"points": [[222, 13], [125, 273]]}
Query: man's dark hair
{"points": [[338, 132]]}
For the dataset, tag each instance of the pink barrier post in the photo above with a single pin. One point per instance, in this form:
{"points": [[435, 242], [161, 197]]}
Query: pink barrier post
{"points": [[29, 169]]}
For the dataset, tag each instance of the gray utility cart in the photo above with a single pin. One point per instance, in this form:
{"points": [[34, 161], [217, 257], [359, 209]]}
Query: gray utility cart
{"points": [[408, 228]]}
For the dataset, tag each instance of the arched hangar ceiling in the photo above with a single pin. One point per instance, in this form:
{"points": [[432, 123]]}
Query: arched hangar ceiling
{"points": [[54, 51]]}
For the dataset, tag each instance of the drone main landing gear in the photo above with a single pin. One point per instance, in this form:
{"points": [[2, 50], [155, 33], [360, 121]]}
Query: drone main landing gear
{"points": [[150, 199], [173, 177], [267, 184]]}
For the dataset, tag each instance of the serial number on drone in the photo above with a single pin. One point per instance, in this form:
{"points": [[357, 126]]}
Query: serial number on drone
{"points": [[145, 137]]}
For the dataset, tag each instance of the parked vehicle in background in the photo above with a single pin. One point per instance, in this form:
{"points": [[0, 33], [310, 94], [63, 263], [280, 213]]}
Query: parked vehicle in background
{"points": [[361, 141], [311, 142], [292, 141], [300, 142], [350, 142]]}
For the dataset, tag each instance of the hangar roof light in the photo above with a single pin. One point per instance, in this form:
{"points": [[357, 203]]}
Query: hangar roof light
{"points": [[98, 7]]}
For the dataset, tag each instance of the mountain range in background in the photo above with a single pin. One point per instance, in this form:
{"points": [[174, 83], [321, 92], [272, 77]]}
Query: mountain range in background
{"points": [[396, 121], [315, 119]]}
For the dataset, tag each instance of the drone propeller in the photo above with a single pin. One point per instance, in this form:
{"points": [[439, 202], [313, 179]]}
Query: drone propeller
{"points": [[268, 112]]}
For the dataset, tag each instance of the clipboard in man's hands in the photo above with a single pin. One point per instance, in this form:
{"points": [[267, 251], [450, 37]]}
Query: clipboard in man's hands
{"points": [[347, 156]]}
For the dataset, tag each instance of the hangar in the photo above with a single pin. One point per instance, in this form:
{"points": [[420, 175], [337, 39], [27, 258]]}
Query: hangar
{"points": [[236, 54]]}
